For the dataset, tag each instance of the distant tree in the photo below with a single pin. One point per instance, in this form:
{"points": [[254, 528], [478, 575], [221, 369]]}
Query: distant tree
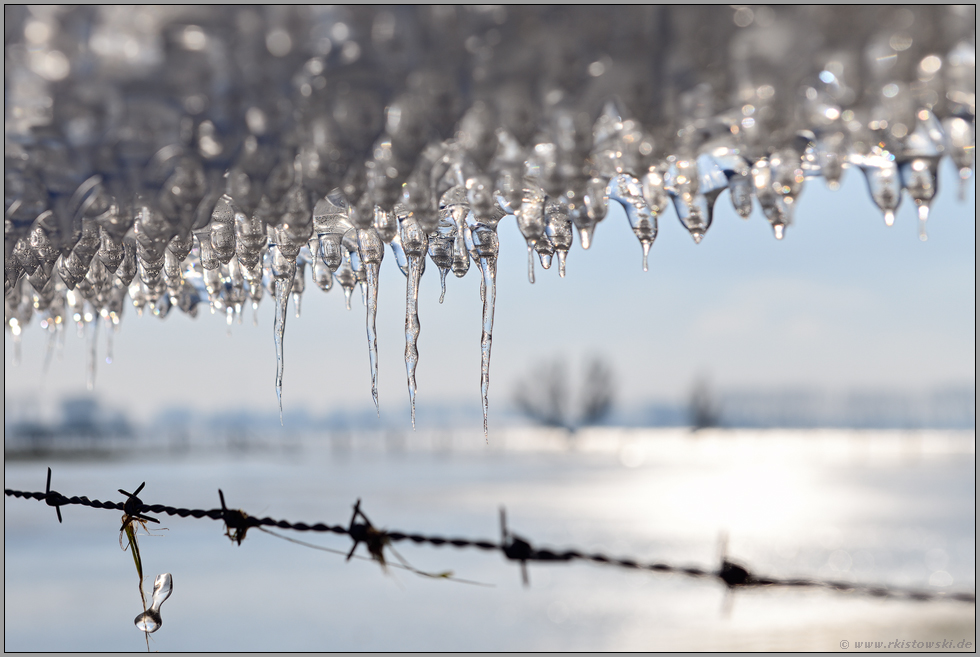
{"points": [[702, 408], [545, 395]]}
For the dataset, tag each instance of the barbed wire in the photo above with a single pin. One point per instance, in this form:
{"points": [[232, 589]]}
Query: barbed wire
{"points": [[515, 548]]}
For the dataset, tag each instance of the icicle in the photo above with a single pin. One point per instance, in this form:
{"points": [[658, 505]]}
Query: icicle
{"points": [[92, 357], [531, 222], [484, 245], [740, 188], [416, 264], [442, 275], [628, 191], [694, 205], [884, 181], [545, 250], [415, 244], [110, 329], [347, 279], [372, 333], [488, 290], [371, 250], [285, 272], [49, 350], [15, 330]]}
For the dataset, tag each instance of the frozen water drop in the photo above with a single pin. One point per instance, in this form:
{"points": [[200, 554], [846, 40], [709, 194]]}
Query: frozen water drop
{"points": [[740, 187], [150, 620], [442, 276], [889, 217], [585, 236], [628, 191], [544, 257], [558, 231], [923, 208], [322, 275], [346, 277], [778, 230], [884, 181], [965, 174]]}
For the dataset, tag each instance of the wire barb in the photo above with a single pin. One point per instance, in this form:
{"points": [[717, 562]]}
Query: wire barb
{"points": [[134, 506], [365, 532], [237, 522], [514, 547], [53, 498]]}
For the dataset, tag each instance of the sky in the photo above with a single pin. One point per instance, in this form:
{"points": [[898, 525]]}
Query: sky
{"points": [[843, 303]]}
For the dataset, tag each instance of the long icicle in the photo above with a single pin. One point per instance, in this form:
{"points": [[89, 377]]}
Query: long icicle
{"points": [[93, 354], [372, 269], [488, 289], [412, 325], [284, 285]]}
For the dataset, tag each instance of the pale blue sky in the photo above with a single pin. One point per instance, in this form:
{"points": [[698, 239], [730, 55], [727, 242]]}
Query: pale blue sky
{"points": [[842, 303]]}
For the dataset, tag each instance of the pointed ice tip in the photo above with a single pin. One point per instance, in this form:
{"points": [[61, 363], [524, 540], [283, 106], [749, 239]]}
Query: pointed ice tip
{"points": [[779, 230], [585, 237], [698, 236], [889, 218], [923, 212], [833, 185]]}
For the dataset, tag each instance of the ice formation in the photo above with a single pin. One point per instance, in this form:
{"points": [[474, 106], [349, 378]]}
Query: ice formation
{"points": [[172, 156]]}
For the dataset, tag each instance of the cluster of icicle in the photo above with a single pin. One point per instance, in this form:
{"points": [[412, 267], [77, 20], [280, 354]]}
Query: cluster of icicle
{"points": [[167, 156]]}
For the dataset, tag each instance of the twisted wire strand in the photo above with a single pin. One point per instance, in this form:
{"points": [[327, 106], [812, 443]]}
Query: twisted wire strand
{"points": [[513, 547]]}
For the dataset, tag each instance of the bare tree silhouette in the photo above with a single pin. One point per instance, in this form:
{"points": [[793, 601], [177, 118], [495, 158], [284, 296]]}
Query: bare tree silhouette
{"points": [[703, 409], [546, 397]]}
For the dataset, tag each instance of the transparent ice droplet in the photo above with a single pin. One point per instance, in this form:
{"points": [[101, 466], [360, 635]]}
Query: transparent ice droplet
{"points": [[628, 191], [559, 233], [595, 204], [831, 157], [399, 252], [346, 278], [322, 275], [694, 208], [740, 189], [150, 621], [884, 182], [284, 271], [545, 252], [960, 144]]}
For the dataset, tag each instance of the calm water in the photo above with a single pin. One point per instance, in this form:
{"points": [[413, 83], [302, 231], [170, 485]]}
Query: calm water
{"points": [[887, 507]]}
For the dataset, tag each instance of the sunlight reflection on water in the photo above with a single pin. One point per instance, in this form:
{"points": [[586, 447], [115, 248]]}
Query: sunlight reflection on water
{"points": [[886, 507]]}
